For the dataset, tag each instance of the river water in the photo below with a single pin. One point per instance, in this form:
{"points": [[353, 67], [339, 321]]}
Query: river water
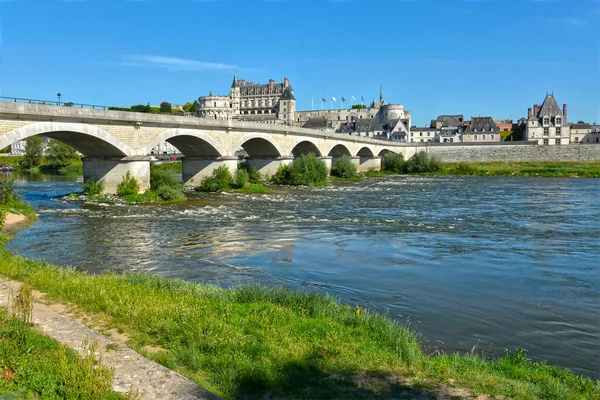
{"points": [[472, 263]]}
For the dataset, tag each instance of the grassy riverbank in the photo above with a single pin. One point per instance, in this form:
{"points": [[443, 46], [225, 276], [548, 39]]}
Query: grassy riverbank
{"points": [[543, 169], [252, 341], [34, 366]]}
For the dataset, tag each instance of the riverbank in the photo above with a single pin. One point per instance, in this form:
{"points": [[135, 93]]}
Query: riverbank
{"points": [[250, 341], [540, 169]]}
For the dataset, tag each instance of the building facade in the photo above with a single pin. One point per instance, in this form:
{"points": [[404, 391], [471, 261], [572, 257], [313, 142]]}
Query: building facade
{"points": [[547, 124], [272, 101], [585, 133], [481, 129]]}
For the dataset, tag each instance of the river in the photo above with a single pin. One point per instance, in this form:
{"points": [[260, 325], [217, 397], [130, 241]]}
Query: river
{"points": [[470, 263]]}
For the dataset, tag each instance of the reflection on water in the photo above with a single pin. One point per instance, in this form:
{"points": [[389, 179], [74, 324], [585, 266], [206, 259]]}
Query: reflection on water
{"points": [[491, 263]]}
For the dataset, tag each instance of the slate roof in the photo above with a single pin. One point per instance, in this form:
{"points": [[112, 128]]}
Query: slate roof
{"points": [[447, 120], [550, 107], [481, 123], [581, 126], [288, 94], [315, 123], [235, 81]]}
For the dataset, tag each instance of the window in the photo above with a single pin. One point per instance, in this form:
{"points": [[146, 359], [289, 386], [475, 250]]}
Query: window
{"points": [[546, 131], [558, 121], [475, 130], [428, 133], [492, 129], [576, 139], [483, 137], [215, 104], [546, 141], [556, 141], [475, 137], [421, 134], [546, 120], [492, 137], [483, 130], [558, 131]]}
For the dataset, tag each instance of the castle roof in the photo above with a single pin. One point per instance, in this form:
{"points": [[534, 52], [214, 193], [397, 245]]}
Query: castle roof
{"points": [[315, 123], [288, 94], [235, 81], [449, 120], [549, 107]]}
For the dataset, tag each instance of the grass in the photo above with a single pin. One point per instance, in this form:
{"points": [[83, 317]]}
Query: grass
{"points": [[254, 188], [253, 341], [34, 366], [543, 169]]}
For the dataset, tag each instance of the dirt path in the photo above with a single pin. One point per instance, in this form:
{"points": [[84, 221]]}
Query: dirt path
{"points": [[133, 373]]}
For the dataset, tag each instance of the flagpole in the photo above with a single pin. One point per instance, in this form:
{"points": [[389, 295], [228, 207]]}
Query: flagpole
{"points": [[312, 103]]}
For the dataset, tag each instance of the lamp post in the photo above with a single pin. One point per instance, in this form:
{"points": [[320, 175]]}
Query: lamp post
{"points": [[58, 95]]}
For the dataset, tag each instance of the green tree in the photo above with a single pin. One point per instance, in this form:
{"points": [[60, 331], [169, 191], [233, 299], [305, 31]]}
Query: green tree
{"points": [[34, 152], [358, 106], [187, 106], [59, 154], [580, 122], [165, 107], [69, 104]]}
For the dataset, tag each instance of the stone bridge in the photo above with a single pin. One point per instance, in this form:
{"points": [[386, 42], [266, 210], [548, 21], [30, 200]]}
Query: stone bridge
{"points": [[114, 142]]}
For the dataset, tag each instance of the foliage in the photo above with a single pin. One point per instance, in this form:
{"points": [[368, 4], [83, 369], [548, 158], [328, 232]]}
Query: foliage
{"points": [[241, 178], [392, 162], [170, 193], [128, 186], [166, 107], [304, 170], [191, 107], [254, 342], [59, 155], [542, 169], [358, 106], [253, 188], [34, 152], [69, 104], [92, 187], [220, 180], [343, 168], [160, 176], [11, 201], [466, 169], [253, 174], [421, 162], [35, 366], [149, 196]]}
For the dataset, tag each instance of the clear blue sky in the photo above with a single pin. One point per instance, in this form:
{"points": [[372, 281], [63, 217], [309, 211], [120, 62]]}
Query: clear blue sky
{"points": [[486, 57]]}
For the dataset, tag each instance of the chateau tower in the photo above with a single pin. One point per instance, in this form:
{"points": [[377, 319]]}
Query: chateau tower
{"points": [[236, 97]]}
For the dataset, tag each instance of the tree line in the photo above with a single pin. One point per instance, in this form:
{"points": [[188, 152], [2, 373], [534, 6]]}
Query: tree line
{"points": [[164, 108]]}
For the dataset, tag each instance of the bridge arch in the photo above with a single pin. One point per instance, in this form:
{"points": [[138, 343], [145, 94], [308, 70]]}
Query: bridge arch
{"points": [[258, 145], [338, 150], [365, 152], [89, 140], [190, 142], [383, 152], [304, 146]]}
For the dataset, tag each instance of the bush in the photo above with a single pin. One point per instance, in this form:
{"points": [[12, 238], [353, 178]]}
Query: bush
{"points": [[421, 162], [92, 187], [128, 186], [163, 177], [393, 163], [8, 193], [219, 180], [170, 193], [466, 169], [304, 170], [241, 178], [59, 155], [343, 168], [253, 174]]}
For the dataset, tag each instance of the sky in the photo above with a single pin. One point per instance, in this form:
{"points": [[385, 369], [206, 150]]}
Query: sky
{"points": [[473, 57]]}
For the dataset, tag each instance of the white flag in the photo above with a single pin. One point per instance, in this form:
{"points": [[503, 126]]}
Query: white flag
{"points": [[333, 98], [353, 98]]}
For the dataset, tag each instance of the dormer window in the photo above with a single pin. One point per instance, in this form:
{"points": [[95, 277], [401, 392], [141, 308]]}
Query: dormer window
{"points": [[475, 130], [558, 121], [546, 121], [491, 129], [482, 129]]}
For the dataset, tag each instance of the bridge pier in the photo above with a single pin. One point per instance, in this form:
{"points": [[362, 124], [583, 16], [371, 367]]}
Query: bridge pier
{"points": [[369, 164], [111, 171], [328, 161], [267, 166], [193, 169]]}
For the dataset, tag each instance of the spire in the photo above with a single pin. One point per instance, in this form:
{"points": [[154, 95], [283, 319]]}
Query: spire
{"points": [[381, 94], [235, 81]]}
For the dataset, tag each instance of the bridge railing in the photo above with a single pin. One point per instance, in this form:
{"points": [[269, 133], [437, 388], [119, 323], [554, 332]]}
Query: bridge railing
{"points": [[52, 103]]}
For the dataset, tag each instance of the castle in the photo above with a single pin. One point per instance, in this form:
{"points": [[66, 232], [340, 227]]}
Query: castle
{"points": [[273, 102]]}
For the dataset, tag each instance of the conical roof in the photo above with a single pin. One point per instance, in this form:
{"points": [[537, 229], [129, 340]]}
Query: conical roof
{"points": [[235, 81], [550, 107], [288, 94]]}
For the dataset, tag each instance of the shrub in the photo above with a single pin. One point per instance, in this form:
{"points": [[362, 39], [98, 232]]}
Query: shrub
{"points": [[253, 174], [393, 163], [170, 193], [7, 192], [163, 177], [304, 170], [128, 186], [466, 169], [92, 187], [421, 162], [219, 180], [343, 168], [241, 178]]}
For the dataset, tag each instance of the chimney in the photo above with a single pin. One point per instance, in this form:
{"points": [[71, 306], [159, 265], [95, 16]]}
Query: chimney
{"points": [[528, 113], [286, 82], [536, 111], [271, 82], [565, 113]]}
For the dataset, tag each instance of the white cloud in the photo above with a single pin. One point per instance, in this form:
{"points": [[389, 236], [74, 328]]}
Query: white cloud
{"points": [[173, 63]]}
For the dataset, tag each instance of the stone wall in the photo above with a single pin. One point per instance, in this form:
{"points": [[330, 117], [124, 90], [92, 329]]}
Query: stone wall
{"points": [[509, 152]]}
